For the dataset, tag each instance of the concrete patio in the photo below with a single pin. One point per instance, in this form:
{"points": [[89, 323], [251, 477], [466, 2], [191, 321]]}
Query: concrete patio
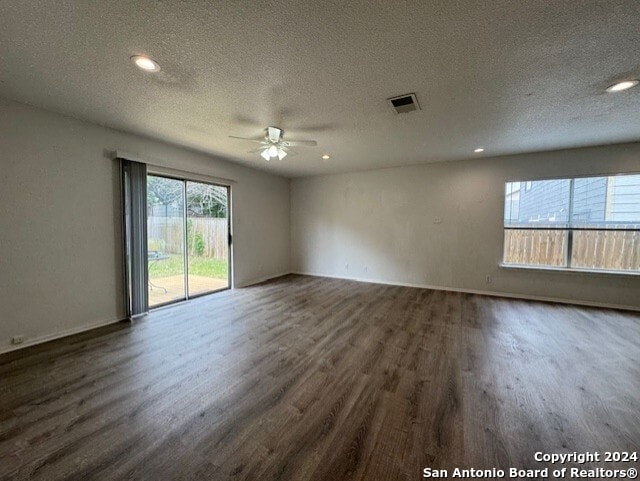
{"points": [[167, 289]]}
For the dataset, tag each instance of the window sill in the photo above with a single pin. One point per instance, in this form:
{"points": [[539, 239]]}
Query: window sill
{"points": [[569, 270]]}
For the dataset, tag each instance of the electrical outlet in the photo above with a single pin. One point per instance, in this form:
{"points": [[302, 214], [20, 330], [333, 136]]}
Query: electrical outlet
{"points": [[437, 220], [488, 279], [346, 266], [19, 339], [365, 268]]}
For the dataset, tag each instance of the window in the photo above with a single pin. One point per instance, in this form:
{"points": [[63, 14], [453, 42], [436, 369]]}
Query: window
{"points": [[581, 223], [188, 242]]}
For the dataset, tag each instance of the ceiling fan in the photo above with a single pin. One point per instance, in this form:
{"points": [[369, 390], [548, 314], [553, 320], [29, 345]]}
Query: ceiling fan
{"points": [[273, 144]]}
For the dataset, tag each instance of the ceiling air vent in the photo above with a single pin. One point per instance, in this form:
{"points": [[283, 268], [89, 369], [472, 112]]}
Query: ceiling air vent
{"points": [[404, 103]]}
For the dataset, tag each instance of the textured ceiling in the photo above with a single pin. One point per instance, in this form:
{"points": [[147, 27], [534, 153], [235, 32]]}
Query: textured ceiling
{"points": [[512, 76]]}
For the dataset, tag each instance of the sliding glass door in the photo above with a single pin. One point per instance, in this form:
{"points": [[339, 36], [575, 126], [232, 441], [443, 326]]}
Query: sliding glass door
{"points": [[207, 238], [165, 240], [188, 239]]}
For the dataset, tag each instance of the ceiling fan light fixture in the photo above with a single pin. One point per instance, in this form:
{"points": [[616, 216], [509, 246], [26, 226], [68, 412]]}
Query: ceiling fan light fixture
{"points": [[273, 151], [272, 144]]}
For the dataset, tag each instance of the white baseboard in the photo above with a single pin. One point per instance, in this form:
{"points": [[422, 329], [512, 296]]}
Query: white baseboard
{"points": [[89, 327], [481, 292], [58, 335], [95, 325], [262, 279]]}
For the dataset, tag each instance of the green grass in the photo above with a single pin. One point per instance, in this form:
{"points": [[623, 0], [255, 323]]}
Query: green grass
{"points": [[198, 266]]}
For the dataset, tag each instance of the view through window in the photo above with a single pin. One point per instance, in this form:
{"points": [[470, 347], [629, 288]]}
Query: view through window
{"points": [[581, 223], [187, 238]]}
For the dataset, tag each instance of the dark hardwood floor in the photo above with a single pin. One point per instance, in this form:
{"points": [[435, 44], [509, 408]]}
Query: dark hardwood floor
{"points": [[307, 378]]}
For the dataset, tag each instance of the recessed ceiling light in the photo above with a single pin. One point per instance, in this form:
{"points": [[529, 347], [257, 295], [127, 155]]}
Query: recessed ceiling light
{"points": [[478, 150], [326, 156], [620, 86], [145, 63]]}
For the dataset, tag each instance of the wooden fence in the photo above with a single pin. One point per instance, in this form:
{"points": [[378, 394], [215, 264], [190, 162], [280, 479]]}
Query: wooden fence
{"points": [[165, 235], [599, 249], [617, 250], [534, 247]]}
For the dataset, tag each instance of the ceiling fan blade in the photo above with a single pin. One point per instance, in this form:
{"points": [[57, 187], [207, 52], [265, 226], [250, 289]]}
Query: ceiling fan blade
{"points": [[310, 143], [288, 150], [250, 139]]}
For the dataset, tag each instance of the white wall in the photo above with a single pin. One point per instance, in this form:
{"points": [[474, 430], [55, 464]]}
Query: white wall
{"points": [[60, 237], [379, 225], [60, 245]]}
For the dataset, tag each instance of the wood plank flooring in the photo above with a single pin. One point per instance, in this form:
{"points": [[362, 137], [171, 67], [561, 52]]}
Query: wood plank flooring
{"points": [[306, 378]]}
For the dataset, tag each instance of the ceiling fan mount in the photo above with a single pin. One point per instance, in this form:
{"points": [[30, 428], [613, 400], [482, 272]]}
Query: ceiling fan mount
{"points": [[273, 145]]}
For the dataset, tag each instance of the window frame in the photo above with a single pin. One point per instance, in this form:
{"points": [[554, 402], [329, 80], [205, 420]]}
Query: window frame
{"points": [[569, 228]]}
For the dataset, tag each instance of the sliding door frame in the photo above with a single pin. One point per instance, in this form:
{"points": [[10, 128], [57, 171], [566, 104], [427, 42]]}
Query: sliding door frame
{"points": [[229, 238], [151, 173], [184, 180]]}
